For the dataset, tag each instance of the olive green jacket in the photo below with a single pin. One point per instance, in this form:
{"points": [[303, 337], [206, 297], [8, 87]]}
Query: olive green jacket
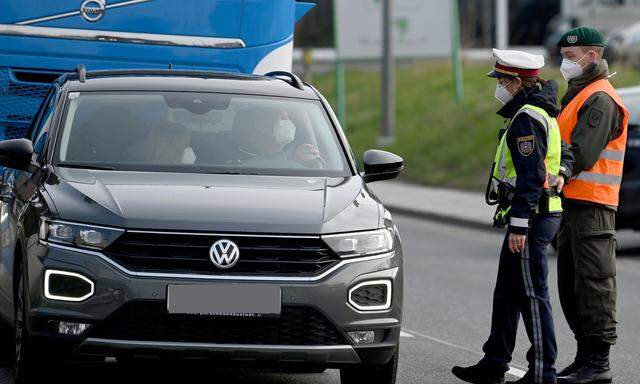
{"points": [[599, 119]]}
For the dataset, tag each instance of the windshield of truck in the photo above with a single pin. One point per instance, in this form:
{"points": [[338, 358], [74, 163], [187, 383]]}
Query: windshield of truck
{"points": [[199, 132]]}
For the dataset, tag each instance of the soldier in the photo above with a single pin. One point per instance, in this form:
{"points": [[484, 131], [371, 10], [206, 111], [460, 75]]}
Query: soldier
{"points": [[593, 121]]}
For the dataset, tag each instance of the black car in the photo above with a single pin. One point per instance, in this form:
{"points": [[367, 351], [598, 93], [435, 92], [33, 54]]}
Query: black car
{"points": [[197, 214], [628, 215]]}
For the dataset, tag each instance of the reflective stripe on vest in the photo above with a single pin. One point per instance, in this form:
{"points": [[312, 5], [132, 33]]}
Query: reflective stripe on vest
{"points": [[599, 178], [504, 169], [601, 183]]}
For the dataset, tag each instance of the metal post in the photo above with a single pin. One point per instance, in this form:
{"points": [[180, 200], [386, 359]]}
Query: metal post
{"points": [[455, 50], [388, 76], [341, 103], [341, 93], [502, 24], [487, 21]]}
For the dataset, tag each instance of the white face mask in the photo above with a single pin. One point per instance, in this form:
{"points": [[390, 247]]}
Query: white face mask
{"points": [[284, 132], [571, 69], [502, 94]]}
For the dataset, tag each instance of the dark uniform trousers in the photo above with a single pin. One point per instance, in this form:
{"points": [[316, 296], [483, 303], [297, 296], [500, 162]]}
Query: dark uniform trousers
{"points": [[587, 272], [521, 289]]}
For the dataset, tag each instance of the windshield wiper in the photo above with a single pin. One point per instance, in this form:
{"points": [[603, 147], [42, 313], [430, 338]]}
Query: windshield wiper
{"points": [[87, 166]]}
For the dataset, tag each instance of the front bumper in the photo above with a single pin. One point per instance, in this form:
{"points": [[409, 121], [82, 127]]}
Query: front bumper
{"points": [[115, 287]]}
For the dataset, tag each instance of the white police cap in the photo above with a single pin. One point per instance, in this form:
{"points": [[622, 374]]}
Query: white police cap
{"points": [[516, 63]]}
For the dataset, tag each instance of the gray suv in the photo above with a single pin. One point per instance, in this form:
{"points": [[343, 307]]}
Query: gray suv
{"points": [[196, 214]]}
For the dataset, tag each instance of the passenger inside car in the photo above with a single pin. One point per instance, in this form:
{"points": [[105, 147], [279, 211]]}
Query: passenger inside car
{"points": [[170, 144]]}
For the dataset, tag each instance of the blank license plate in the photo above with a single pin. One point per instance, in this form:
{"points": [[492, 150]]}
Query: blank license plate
{"points": [[235, 300]]}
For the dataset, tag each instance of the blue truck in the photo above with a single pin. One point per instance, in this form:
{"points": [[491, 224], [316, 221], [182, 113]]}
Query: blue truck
{"points": [[40, 39]]}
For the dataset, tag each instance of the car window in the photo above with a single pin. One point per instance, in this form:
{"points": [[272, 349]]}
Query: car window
{"points": [[40, 127], [43, 109], [200, 132]]}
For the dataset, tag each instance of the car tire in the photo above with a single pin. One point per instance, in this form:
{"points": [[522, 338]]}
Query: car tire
{"points": [[371, 374], [27, 368]]}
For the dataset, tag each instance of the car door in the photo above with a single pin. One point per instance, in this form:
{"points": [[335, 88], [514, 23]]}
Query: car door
{"points": [[16, 188]]}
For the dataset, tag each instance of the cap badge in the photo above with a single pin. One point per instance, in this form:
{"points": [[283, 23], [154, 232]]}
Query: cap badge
{"points": [[572, 39]]}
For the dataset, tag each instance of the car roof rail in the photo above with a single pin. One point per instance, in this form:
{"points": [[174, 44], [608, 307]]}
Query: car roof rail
{"points": [[82, 74], [293, 79]]}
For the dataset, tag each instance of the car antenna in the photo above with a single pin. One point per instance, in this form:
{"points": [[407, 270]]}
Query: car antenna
{"points": [[82, 73]]}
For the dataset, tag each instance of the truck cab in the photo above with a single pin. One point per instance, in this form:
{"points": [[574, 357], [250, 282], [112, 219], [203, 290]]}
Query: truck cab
{"points": [[39, 40]]}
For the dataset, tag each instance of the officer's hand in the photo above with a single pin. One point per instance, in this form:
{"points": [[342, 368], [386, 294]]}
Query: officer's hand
{"points": [[516, 242], [560, 184]]}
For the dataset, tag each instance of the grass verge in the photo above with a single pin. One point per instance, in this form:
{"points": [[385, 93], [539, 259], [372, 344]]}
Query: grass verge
{"points": [[444, 142]]}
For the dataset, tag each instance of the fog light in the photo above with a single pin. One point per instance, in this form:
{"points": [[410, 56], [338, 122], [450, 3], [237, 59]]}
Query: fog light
{"points": [[362, 337], [72, 329], [67, 286], [371, 295]]}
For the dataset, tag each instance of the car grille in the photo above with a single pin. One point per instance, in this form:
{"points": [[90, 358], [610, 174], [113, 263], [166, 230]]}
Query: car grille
{"points": [[150, 321], [189, 253], [20, 99]]}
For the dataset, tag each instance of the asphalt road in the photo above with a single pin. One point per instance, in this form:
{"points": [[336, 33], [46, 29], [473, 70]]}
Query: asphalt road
{"points": [[449, 278]]}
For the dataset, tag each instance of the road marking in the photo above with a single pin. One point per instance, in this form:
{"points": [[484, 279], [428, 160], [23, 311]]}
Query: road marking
{"points": [[517, 372], [405, 334]]}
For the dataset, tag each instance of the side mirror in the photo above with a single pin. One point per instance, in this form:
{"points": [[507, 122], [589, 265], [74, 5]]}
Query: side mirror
{"points": [[381, 165], [17, 154]]}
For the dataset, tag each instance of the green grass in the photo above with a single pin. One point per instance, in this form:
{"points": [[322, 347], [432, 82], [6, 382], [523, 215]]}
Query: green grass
{"points": [[443, 142]]}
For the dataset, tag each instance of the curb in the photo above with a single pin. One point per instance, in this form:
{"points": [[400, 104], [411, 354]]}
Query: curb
{"points": [[432, 216]]}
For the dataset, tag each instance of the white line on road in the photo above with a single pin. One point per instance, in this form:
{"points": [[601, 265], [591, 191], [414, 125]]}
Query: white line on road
{"points": [[405, 334], [517, 372]]}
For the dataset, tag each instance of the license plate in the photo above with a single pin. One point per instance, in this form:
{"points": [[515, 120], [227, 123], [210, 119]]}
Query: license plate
{"points": [[233, 300]]}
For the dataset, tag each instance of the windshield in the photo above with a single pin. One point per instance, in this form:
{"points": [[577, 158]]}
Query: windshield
{"points": [[199, 132]]}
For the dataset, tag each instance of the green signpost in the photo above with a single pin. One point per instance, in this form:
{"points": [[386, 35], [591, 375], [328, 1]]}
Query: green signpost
{"points": [[455, 51], [341, 89]]}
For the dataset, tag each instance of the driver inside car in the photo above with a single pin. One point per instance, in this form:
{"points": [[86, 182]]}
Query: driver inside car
{"points": [[271, 144]]}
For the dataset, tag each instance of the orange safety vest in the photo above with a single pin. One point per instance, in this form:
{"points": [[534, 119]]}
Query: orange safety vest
{"points": [[601, 183]]}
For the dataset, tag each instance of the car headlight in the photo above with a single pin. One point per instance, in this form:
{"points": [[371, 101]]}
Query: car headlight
{"points": [[361, 243], [81, 235]]}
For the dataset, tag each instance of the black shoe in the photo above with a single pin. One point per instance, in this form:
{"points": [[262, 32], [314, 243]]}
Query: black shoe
{"points": [[582, 357], [572, 368], [477, 374], [595, 371], [588, 374]]}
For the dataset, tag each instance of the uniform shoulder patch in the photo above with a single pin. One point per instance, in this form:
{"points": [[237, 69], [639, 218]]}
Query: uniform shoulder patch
{"points": [[595, 115], [526, 145]]}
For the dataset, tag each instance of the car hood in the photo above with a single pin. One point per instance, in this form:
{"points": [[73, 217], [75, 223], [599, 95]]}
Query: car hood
{"points": [[203, 202]]}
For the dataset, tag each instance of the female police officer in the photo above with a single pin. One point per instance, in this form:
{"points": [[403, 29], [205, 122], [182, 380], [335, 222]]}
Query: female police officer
{"points": [[524, 180]]}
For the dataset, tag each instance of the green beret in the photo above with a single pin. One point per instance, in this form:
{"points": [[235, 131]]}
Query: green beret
{"points": [[582, 36]]}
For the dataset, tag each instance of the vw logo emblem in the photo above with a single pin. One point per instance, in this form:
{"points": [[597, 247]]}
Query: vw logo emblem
{"points": [[93, 10], [224, 254]]}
